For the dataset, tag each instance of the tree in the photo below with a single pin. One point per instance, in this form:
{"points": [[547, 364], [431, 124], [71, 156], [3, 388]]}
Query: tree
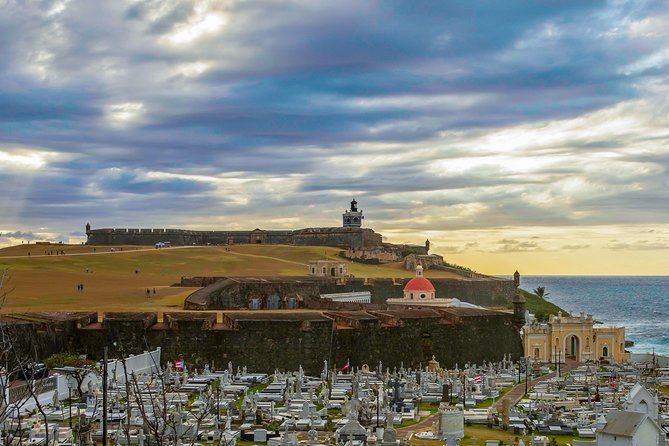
{"points": [[75, 366], [13, 347], [541, 292]]}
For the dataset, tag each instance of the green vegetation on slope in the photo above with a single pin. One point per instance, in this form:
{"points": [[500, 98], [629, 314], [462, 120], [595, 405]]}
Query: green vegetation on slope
{"points": [[541, 308]]}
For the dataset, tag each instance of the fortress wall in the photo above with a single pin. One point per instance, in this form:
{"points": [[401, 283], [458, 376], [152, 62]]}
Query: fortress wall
{"points": [[340, 237], [377, 254], [235, 295], [474, 340], [479, 292], [291, 339]]}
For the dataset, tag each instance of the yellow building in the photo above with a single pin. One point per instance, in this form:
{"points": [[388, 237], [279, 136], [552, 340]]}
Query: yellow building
{"points": [[577, 338]]}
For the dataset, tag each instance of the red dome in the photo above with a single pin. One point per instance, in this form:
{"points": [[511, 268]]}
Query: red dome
{"points": [[419, 284]]}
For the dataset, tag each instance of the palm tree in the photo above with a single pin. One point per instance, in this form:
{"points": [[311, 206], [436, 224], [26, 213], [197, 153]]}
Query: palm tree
{"points": [[541, 292]]}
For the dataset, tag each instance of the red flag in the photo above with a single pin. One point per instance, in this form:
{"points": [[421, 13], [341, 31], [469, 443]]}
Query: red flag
{"points": [[347, 365]]}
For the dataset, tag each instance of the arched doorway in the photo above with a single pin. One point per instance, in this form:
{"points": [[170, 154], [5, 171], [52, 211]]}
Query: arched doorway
{"points": [[573, 347]]}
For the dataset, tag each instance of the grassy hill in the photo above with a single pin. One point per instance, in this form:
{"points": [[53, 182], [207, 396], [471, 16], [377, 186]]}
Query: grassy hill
{"points": [[541, 308], [41, 282]]}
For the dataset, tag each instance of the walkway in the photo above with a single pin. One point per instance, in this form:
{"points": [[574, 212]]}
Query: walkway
{"points": [[424, 425], [514, 395]]}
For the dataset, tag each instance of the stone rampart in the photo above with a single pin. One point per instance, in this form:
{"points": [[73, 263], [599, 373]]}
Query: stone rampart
{"points": [[232, 293], [264, 341], [427, 261], [336, 236]]}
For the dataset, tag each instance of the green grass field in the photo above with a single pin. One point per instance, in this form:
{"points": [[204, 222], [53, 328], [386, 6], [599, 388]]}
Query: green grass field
{"points": [[39, 282]]}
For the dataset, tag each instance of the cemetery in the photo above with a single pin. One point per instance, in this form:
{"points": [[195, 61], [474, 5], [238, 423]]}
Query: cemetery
{"points": [[143, 403]]}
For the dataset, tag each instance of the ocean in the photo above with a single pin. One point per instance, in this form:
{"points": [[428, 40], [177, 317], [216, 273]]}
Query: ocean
{"points": [[639, 303]]}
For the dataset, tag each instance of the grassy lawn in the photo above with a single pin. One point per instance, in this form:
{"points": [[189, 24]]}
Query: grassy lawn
{"points": [[663, 389], [49, 283], [430, 407], [488, 402], [541, 308]]}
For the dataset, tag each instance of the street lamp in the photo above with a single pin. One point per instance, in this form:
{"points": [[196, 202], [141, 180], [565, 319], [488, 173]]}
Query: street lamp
{"points": [[378, 404], [218, 405], [527, 374], [69, 394]]}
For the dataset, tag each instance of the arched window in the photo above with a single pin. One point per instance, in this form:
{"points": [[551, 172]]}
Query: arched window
{"points": [[273, 302], [255, 303], [605, 351]]}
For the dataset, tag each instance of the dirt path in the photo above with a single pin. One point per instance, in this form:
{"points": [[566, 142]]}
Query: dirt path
{"points": [[267, 257], [424, 425]]}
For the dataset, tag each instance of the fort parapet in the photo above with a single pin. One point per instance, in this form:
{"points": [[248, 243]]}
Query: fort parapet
{"points": [[343, 237], [266, 340], [236, 293]]}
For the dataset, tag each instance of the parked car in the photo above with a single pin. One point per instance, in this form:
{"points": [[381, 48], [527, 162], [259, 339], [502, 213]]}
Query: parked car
{"points": [[35, 371]]}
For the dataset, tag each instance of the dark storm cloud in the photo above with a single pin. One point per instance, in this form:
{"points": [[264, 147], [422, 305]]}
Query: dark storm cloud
{"points": [[133, 103]]}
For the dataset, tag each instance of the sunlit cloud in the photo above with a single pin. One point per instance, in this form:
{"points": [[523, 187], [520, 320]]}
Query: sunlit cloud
{"points": [[30, 161], [201, 23], [125, 113]]}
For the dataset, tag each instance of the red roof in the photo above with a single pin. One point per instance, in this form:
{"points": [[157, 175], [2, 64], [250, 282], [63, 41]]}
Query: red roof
{"points": [[419, 284]]}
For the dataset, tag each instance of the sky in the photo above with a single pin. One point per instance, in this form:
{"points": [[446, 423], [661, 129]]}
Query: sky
{"points": [[529, 135]]}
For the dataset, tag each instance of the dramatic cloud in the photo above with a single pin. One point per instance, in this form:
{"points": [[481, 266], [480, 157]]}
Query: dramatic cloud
{"points": [[445, 120]]}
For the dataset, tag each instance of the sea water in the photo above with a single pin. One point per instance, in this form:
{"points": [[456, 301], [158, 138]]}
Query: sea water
{"points": [[639, 303]]}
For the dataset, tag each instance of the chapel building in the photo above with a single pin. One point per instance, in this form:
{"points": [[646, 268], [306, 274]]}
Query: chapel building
{"points": [[573, 337]]}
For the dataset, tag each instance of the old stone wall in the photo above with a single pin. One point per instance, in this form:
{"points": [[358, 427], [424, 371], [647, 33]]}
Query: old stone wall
{"points": [[379, 254], [285, 339], [234, 293], [429, 261], [336, 236]]}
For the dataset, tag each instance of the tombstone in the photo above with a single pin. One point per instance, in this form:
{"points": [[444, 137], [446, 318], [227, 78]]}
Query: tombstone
{"points": [[56, 400], [260, 435], [505, 413], [397, 398], [444, 393]]}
